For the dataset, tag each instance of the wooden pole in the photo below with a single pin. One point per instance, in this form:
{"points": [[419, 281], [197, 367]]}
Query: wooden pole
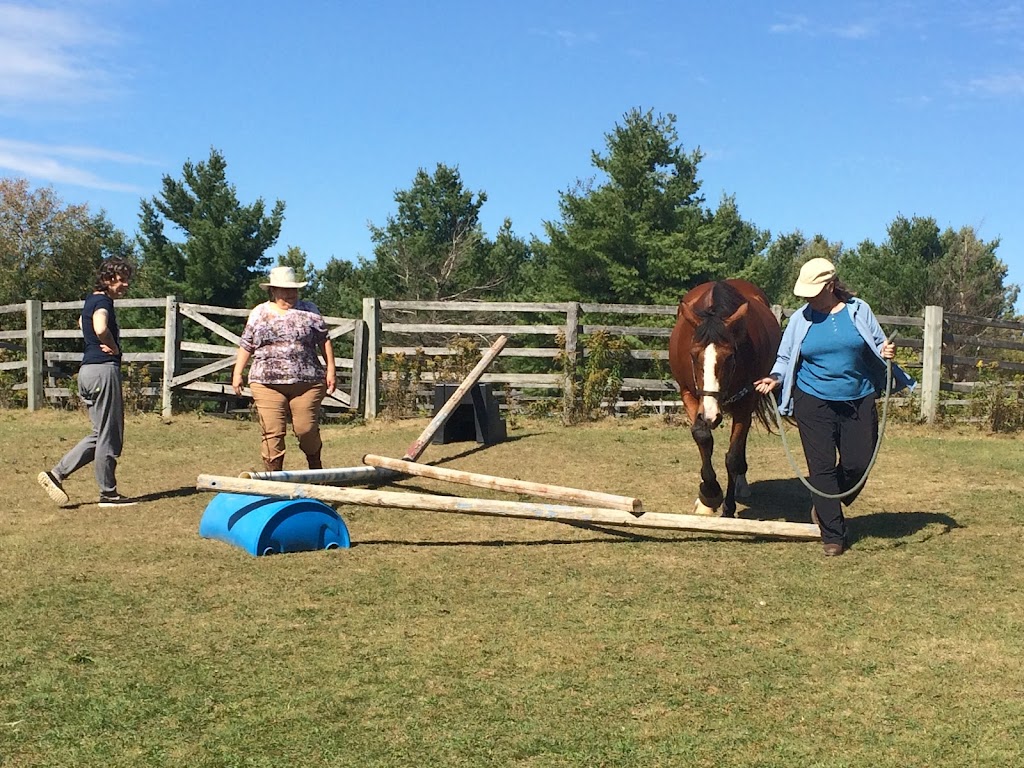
{"points": [[172, 333], [931, 363], [34, 354], [517, 509], [336, 476], [371, 318], [508, 485], [419, 445]]}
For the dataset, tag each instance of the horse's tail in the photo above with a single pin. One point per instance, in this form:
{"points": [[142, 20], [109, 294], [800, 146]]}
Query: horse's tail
{"points": [[764, 412]]}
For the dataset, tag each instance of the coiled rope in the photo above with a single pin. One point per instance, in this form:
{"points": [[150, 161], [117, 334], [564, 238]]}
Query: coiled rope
{"points": [[874, 455]]}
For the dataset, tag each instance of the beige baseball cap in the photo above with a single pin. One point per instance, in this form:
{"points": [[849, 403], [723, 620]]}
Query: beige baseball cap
{"points": [[813, 277]]}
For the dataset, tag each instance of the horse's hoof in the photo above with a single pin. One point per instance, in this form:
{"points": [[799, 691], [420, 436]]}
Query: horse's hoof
{"points": [[700, 508]]}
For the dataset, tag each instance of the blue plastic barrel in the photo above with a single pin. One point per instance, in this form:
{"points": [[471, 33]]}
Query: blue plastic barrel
{"points": [[263, 525]]}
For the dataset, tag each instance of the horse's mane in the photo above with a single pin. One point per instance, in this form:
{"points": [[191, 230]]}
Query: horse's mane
{"points": [[725, 300]]}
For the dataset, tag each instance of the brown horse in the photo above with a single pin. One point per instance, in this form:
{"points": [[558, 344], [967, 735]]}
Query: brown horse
{"points": [[725, 338]]}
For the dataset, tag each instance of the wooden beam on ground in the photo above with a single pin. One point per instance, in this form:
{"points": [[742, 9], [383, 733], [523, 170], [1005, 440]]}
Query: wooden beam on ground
{"points": [[508, 485], [517, 509], [419, 445], [335, 476]]}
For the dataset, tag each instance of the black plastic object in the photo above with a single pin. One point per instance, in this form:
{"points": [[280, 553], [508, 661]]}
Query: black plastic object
{"points": [[476, 417]]}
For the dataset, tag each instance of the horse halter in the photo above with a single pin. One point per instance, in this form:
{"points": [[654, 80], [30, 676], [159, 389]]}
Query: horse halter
{"points": [[717, 393]]}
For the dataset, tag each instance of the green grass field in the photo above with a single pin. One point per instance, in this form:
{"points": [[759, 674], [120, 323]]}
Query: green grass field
{"points": [[448, 640]]}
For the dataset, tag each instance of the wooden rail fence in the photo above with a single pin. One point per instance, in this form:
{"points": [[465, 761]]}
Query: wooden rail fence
{"points": [[198, 347]]}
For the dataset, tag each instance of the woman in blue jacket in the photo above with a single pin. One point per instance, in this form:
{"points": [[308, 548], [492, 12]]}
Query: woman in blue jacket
{"points": [[831, 364]]}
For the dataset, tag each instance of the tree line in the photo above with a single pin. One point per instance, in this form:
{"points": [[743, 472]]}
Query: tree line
{"points": [[639, 231]]}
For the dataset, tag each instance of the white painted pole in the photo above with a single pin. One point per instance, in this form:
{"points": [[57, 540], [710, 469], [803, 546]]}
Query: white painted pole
{"points": [[336, 476], [522, 510]]}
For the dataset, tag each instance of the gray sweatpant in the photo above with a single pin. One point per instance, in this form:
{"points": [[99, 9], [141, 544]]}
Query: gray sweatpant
{"points": [[99, 386]]}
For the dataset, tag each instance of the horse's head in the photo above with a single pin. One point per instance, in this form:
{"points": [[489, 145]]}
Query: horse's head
{"points": [[713, 353]]}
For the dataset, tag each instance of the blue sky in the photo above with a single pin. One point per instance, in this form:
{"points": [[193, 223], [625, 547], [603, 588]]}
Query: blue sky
{"points": [[826, 117]]}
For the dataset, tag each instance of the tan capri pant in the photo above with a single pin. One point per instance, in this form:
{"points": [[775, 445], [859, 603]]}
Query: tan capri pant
{"points": [[275, 403]]}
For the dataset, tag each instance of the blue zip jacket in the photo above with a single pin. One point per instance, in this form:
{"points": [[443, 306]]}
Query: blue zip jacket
{"points": [[865, 323]]}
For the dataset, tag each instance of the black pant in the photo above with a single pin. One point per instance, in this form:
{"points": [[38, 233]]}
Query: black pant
{"points": [[849, 426]]}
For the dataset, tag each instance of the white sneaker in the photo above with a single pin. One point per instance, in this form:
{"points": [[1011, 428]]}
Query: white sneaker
{"points": [[117, 500], [53, 488]]}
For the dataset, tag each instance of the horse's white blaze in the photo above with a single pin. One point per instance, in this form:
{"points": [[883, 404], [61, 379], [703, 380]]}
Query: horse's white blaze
{"points": [[710, 382], [742, 489]]}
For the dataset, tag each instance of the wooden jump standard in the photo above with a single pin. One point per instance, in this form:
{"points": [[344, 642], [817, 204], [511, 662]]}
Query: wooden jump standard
{"points": [[508, 485], [419, 445], [517, 509]]}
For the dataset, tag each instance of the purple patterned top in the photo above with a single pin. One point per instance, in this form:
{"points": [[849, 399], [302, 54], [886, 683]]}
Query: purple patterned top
{"points": [[284, 347]]}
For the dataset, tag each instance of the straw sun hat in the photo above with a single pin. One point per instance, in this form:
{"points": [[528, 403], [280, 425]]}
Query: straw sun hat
{"points": [[283, 277]]}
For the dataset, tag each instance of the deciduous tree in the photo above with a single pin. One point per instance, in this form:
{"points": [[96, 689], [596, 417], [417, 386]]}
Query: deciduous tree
{"points": [[49, 250]]}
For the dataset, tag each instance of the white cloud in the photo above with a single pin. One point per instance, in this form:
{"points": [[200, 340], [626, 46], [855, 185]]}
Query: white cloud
{"points": [[802, 25], [47, 54], [567, 37], [792, 24], [1011, 84], [857, 31], [47, 163]]}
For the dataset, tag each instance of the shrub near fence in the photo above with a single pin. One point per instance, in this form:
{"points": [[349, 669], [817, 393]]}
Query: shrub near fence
{"points": [[953, 355]]}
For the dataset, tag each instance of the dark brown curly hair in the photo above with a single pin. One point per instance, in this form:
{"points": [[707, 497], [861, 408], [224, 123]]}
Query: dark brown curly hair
{"points": [[110, 269]]}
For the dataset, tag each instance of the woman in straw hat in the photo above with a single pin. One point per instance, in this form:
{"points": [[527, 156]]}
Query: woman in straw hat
{"points": [[283, 337], [831, 364]]}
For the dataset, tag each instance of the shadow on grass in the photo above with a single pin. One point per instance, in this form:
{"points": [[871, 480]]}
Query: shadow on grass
{"points": [[912, 526], [607, 537], [779, 499], [789, 500], [480, 447], [172, 493]]}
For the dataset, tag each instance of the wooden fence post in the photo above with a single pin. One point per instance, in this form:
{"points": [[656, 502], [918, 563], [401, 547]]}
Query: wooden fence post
{"points": [[172, 353], [931, 370], [358, 393], [572, 358], [34, 353], [371, 317]]}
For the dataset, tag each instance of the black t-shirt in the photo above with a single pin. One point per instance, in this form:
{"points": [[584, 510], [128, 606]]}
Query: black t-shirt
{"points": [[93, 354]]}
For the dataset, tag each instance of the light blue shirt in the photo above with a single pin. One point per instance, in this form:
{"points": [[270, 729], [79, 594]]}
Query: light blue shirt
{"points": [[867, 326]]}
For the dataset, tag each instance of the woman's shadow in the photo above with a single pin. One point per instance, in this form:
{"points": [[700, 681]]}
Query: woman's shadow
{"points": [[788, 499]]}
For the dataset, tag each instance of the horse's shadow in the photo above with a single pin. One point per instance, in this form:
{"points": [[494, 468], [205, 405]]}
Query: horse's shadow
{"points": [[788, 499]]}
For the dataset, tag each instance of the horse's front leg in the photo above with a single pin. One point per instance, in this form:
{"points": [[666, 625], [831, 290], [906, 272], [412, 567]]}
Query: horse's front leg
{"points": [[709, 495], [736, 463]]}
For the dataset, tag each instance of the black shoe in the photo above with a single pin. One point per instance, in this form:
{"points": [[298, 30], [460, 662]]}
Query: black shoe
{"points": [[116, 500], [53, 488]]}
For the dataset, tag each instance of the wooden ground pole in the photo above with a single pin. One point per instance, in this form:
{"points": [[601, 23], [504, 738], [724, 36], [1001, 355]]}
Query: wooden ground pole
{"points": [[506, 484], [517, 509]]}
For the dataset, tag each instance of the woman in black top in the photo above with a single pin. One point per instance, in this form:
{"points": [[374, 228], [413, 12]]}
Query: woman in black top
{"points": [[99, 386]]}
